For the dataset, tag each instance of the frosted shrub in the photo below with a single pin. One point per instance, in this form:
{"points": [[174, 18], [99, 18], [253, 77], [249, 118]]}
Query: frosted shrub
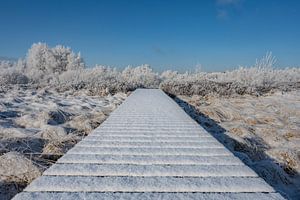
{"points": [[13, 77], [66, 59], [44, 63], [258, 79], [102, 78], [240, 81], [266, 62], [5, 64], [95, 79], [61, 68], [141, 76], [41, 58], [12, 72], [169, 74]]}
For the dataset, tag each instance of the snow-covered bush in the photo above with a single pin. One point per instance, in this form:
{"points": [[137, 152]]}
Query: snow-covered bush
{"points": [[41, 58], [66, 59], [95, 79], [266, 62], [13, 77], [168, 74], [44, 64], [53, 60], [6, 64], [141, 76], [258, 79], [12, 72], [101, 78], [61, 68], [240, 81]]}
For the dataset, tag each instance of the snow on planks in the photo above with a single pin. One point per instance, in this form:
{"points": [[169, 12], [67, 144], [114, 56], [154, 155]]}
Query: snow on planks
{"points": [[149, 148]]}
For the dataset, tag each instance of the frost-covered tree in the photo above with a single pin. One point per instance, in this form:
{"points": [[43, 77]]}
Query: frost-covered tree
{"points": [[67, 59], [41, 58], [53, 60], [60, 67]]}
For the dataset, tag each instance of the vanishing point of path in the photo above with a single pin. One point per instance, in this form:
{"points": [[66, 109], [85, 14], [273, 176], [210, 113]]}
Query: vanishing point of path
{"points": [[149, 148]]}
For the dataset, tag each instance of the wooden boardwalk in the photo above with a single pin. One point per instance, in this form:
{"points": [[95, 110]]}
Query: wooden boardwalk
{"points": [[149, 148]]}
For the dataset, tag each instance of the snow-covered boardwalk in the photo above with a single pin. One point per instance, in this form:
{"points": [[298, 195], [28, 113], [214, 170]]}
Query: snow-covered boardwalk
{"points": [[149, 148]]}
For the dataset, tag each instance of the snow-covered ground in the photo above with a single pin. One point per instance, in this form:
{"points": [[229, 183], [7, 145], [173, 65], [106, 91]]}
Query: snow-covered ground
{"points": [[149, 114], [50, 99], [38, 126], [264, 131]]}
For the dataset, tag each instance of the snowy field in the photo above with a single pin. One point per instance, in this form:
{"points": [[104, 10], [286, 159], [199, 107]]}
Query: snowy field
{"points": [[50, 100], [39, 126], [263, 131]]}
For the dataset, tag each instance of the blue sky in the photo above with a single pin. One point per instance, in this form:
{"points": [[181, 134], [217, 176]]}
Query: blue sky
{"points": [[167, 34]]}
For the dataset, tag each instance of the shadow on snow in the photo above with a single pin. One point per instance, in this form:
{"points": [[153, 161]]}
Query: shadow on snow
{"points": [[267, 168]]}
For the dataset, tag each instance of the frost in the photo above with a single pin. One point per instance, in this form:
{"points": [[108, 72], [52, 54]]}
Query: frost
{"points": [[61, 68]]}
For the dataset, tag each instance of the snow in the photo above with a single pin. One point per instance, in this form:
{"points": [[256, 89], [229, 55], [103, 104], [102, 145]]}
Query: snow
{"points": [[103, 164], [148, 184], [62, 68], [183, 144], [37, 125], [150, 151], [150, 159], [138, 138], [79, 169], [150, 134], [145, 196], [263, 131]]}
